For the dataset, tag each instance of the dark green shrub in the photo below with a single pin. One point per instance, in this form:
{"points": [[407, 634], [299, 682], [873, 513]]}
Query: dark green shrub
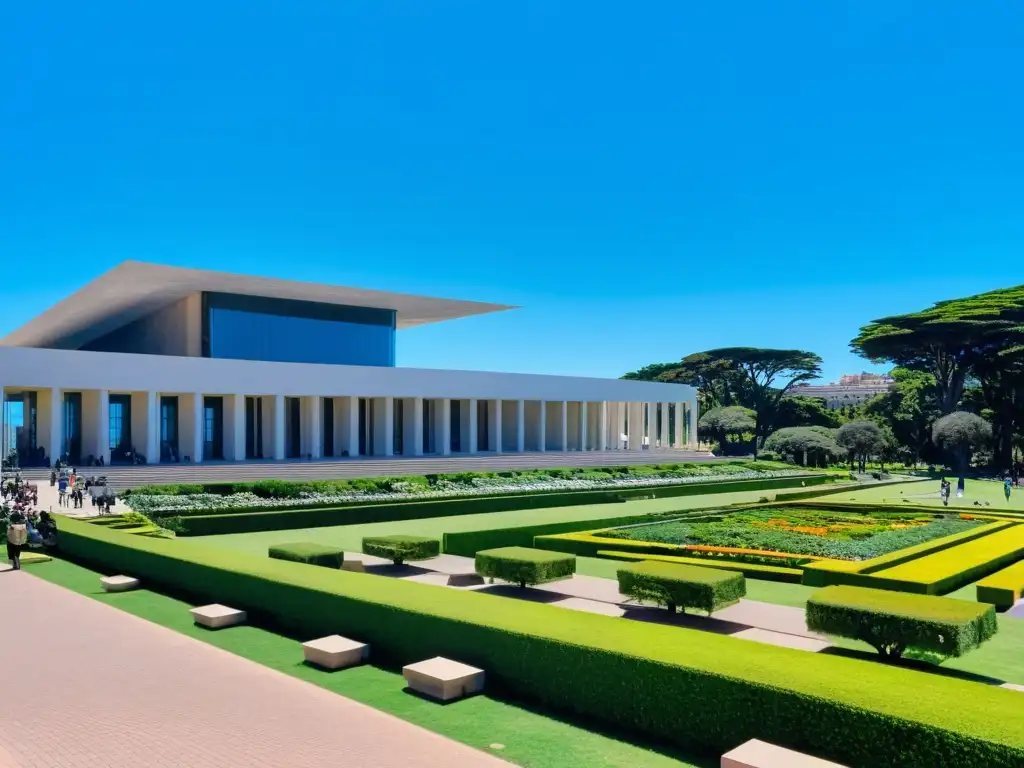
{"points": [[308, 552], [400, 548], [681, 586], [629, 674], [892, 622], [523, 566]]}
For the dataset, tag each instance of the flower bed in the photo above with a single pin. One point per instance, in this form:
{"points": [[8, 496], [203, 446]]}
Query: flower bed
{"points": [[797, 532], [332, 493]]}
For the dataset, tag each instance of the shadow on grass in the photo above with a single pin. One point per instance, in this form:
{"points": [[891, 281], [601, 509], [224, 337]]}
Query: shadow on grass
{"points": [[918, 665], [521, 593], [688, 620]]}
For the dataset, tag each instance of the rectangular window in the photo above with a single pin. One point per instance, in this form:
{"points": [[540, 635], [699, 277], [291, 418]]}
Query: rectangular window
{"points": [[455, 422], [119, 428], [398, 427], [72, 448], [328, 427], [286, 331], [169, 429], [293, 428], [213, 428]]}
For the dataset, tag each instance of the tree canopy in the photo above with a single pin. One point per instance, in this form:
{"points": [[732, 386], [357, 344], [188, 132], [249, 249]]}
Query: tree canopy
{"points": [[960, 433], [801, 444], [722, 423], [862, 439]]}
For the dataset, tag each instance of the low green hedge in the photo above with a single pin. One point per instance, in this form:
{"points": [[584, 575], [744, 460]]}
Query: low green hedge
{"points": [[1002, 589], [308, 552], [411, 509], [400, 548], [701, 690], [750, 570], [893, 622], [681, 586], [523, 565]]}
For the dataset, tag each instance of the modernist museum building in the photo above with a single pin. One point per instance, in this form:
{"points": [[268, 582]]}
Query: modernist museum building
{"points": [[151, 364]]}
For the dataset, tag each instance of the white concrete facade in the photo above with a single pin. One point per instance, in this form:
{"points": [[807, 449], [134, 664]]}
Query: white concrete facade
{"points": [[496, 412]]}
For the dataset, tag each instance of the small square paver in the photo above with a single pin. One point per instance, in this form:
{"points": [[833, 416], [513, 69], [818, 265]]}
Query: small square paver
{"points": [[217, 616], [119, 583], [443, 679], [761, 754], [335, 652]]}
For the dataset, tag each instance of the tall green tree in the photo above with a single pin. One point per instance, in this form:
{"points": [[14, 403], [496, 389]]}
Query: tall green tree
{"points": [[960, 433], [722, 423], [862, 439], [908, 410]]}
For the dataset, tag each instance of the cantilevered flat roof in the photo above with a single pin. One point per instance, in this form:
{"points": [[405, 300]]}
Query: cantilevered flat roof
{"points": [[134, 289]]}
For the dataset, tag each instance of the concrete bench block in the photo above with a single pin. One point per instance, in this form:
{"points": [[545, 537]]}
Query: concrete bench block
{"points": [[443, 679], [335, 652], [761, 754], [217, 616], [119, 583], [355, 566]]}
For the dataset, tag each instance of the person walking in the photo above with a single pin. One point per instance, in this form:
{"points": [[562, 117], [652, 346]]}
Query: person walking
{"points": [[944, 489], [17, 537], [62, 491], [1007, 487]]}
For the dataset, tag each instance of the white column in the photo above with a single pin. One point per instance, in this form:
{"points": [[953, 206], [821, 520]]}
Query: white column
{"points": [[602, 427], [152, 444], [583, 425], [236, 421], [351, 434], [472, 447], [565, 426], [494, 427], [652, 424], [416, 449], [445, 424], [278, 427], [677, 428], [197, 427], [103, 425], [384, 426], [692, 414], [520, 426], [56, 446], [542, 428], [316, 427], [621, 409], [635, 427]]}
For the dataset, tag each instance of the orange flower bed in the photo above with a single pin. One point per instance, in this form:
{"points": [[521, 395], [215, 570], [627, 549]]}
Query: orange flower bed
{"points": [[742, 551]]}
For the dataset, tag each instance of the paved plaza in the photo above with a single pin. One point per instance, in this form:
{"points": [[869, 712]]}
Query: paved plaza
{"points": [[89, 686]]}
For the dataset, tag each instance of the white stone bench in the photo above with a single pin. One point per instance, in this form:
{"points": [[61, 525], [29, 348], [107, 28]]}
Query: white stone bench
{"points": [[217, 616], [118, 583], [335, 652], [443, 679], [761, 754]]}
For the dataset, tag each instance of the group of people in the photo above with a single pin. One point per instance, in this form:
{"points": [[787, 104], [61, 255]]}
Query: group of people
{"points": [[69, 487], [25, 528]]}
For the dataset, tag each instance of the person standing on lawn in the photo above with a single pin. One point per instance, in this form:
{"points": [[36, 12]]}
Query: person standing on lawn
{"points": [[17, 538]]}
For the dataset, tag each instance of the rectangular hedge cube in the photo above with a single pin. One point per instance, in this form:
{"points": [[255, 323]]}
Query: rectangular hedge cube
{"points": [[894, 621], [682, 586], [308, 552], [399, 548], [1003, 589], [523, 565]]}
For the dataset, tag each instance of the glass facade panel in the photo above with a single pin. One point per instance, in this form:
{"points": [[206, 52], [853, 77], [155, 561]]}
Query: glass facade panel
{"points": [[72, 449], [213, 428], [169, 429], [284, 331]]}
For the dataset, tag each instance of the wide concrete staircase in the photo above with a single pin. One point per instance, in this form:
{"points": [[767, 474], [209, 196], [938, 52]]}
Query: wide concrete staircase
{"points": [[122, 477]]}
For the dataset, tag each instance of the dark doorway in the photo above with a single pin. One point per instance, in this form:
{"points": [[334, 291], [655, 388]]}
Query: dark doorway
{"points": [[119, 426], [213, 428], [328, 426], [398, 427], [169, 429], [71, 450], [254, 428], [456, 426], [293, 426]]}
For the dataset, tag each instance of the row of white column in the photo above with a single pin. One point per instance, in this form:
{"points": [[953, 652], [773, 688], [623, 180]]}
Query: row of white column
{"points": [[512, 425]]}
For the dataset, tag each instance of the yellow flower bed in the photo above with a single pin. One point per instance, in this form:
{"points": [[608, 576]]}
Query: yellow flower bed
{"points": [[951, 568], [1004, 588], [758, 552]]}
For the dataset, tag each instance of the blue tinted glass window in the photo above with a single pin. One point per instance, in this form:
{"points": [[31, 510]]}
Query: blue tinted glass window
{"points": [[295, 332]]}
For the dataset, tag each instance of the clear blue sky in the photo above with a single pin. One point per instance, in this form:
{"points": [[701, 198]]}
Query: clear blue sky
{"points": [[647, 180]]}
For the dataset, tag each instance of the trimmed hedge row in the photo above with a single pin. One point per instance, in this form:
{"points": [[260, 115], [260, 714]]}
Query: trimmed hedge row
{"points": [[310, 553], [848, 487], [953, 568], [687, 687], [1003, 589], [858, 572], [524, 566], [681, 586], [399, 548], [753, 570], [893, 622], [411, 509]]}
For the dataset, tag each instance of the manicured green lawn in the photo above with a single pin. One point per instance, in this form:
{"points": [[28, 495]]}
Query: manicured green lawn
{"points": [[530, 738], [927, 493], [350, 536]]}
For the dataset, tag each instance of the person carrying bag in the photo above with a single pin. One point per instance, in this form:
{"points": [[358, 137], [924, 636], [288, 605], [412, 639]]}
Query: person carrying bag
{"points": [[17, 537]]}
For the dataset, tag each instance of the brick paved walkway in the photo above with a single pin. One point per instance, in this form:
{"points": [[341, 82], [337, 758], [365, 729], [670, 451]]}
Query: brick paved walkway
{"points": [[88, 686]]}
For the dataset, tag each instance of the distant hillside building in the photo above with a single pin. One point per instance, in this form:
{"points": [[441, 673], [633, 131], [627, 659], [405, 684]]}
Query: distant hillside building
{"points": [[851, 389]]}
